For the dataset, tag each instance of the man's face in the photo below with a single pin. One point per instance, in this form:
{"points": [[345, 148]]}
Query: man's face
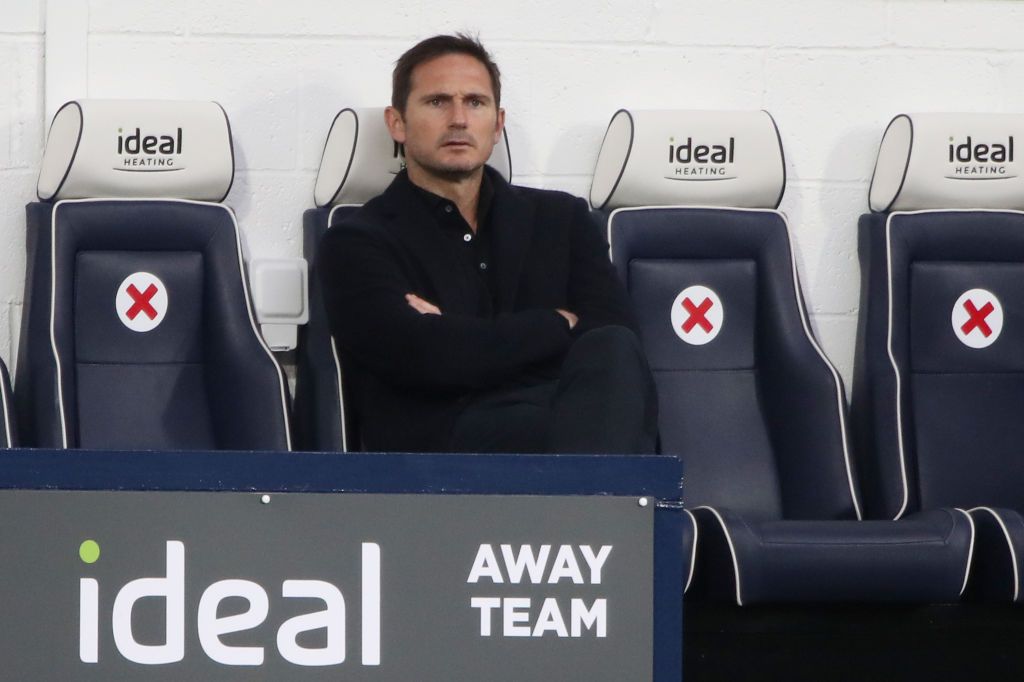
{"points": [[451, 121]]}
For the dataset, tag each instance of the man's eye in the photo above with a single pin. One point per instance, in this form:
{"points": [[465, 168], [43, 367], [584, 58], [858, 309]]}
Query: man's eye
{"points": [[436, 102], [476, 102]]}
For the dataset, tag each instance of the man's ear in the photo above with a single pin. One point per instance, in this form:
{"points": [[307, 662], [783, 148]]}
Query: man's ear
{"points": [[499, 125], [395, 123]]}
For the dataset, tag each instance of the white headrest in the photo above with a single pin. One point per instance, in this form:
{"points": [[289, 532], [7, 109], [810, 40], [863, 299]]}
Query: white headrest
{"points": [[949, 161], [360, 159], [689, 158], [138, 148]]}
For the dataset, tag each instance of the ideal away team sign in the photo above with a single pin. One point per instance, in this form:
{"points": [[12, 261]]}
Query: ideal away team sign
{"points": [[237, 586]]}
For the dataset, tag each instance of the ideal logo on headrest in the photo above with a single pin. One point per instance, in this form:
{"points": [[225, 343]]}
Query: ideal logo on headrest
{"points": [[980, 161], [149, 153], [691, 161]]}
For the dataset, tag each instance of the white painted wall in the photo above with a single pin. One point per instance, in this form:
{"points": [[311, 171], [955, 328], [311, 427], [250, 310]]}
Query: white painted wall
{"points": [[21, 146], [832, 72]]}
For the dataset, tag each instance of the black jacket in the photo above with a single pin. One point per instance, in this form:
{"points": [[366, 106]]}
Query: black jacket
{"points": [[409, 373]]}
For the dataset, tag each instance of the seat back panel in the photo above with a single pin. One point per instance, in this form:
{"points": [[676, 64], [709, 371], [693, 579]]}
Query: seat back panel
{"points": [[655, 286], [140, 389], [936, 290], [711, 413], [102, 336], [967, 381], [717, 426], [144, 407], [969, 431]]}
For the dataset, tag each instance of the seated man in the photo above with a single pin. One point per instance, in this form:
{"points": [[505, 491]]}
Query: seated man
{"points": [[474, 316]]}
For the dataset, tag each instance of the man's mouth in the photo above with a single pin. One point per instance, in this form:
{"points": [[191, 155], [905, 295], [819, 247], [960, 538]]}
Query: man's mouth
{"points": [[457, 143]]}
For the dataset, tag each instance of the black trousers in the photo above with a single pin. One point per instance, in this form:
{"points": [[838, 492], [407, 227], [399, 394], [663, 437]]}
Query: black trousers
{"points": [[603, 402]]}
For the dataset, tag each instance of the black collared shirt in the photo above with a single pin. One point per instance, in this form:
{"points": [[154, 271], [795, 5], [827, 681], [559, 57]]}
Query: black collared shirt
{"points": [[473, 250]]}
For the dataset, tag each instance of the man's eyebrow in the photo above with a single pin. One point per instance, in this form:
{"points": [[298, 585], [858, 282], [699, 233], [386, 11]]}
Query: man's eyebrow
{"points": [[447, 96]]}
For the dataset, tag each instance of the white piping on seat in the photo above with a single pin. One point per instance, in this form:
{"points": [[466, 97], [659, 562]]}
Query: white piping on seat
{"points": [[1009, 543], [896, 371], [341, 396], [693, 552], [970, 551], [53, 307], [7, 416], [334, 347], [732, 551]]}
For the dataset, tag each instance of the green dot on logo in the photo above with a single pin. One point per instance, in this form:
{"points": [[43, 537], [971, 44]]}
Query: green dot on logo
{"points": [[89, 551]]}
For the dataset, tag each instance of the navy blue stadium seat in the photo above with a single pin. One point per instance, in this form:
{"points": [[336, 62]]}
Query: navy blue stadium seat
{"points": [[749, 400], [321, 422], [138, 330], [939, 378], [359, 161], [938, 422]]}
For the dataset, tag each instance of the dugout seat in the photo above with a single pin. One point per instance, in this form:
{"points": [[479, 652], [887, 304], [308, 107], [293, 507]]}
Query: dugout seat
{"points": [[359, 161], [938, 389], [8, 425], [137, 331], [747, 397]]}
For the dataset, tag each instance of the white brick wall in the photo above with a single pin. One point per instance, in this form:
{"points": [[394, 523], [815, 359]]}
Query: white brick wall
{"points": [[21, 140], [832, 72]]}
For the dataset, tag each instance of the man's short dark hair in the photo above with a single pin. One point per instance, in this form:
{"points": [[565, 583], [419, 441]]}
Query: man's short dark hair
{"points": [[439, 46]]}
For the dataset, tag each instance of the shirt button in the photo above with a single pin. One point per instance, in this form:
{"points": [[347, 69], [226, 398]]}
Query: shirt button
{"points": [[448, 208], [483, 266], [467, 237]]}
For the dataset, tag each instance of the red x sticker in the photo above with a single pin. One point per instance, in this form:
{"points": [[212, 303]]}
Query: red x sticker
{"points": [[697, 315], [141, 302], [977, 318]]}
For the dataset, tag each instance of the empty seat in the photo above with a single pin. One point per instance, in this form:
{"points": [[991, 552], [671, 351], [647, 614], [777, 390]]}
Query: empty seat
{"points": [[359, 161], [939, 378], [137, 330], [747, 397]]}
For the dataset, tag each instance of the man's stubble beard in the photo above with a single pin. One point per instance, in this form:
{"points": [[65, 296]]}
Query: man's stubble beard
{"points": [[449, 174]]}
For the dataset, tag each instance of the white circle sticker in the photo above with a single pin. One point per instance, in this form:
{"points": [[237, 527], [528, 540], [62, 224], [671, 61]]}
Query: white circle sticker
{"points": [[141, 302], [977, 318], [697, 315]]}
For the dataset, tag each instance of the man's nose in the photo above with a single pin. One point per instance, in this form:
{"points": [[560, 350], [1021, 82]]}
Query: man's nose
{"points": [[459, 118]]}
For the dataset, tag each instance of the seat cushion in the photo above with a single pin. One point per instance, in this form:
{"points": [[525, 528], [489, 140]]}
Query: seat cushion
{"points": [[923, 558]]}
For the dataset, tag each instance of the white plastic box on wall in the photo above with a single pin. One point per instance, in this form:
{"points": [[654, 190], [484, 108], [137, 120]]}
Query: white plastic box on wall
{"points": [[280, 293]]}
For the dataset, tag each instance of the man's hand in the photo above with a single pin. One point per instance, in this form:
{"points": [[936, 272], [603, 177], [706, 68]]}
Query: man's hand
{"points": [[421, 306], [571, 318]]}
